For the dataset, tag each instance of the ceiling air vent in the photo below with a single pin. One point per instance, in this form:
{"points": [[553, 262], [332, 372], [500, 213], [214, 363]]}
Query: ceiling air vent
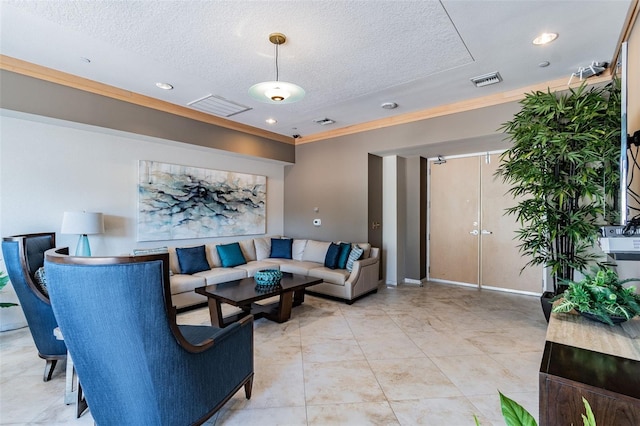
{"points": [[218, 105], [324, 121], [487, 79]]}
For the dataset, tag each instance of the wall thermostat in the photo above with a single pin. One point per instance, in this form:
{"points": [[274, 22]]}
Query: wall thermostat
{"points": [[317, 222]]}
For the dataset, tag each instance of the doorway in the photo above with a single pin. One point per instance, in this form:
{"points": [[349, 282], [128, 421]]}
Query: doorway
{"points": [[471, 240]]}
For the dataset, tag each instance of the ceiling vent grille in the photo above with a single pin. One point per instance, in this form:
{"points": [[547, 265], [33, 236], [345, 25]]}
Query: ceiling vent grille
{"points": [[218, 105], [486, 79], [324, 121]]}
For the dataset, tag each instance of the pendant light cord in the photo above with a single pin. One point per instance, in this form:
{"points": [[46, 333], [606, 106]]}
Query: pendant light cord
{"points": [[277, 71]]}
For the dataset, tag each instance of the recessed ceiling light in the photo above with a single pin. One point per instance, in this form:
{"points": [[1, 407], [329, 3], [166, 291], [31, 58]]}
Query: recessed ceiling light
{"points": [[389, 105], [164, 86], [545, 38], [544, 64], [271, 121]]}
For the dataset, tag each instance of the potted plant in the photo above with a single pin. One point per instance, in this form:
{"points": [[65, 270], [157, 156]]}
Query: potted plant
{"points": [[601, 296], [563, 171], [4, 279]]}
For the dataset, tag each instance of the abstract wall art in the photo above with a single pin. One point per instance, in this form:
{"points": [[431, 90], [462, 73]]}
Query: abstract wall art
{"points": [[179, 202]]}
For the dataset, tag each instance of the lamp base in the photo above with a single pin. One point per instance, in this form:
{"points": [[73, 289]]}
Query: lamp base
{"points": [[82, 249]]}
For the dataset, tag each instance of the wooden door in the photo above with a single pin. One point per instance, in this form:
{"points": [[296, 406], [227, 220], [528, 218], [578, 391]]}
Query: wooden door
{"points": [[501, 262], [454, 220]]}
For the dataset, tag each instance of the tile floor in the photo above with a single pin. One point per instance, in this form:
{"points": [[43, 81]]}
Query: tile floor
{"points": [[432, 355]]}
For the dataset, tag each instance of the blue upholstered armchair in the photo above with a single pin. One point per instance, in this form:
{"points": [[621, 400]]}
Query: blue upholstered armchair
{"points": [[136, 366], [23, 256]]}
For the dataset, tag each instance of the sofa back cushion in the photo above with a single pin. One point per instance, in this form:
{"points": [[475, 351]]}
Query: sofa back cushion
{"points": [[192, 259], [212, 256], [174, 266], [315, 251], [366, 247], [297, 249], [230, 255], [248, 249]]}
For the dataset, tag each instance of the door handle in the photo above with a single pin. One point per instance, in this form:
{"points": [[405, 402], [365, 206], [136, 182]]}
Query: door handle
{"points": [[485, 232], [375, 225], [474, 232]]}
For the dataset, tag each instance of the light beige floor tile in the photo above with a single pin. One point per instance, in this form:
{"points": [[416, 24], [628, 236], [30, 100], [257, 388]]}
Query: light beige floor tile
{"points": [[389, 346], [333, 350], [363, 413], [412, 378], [285, 416], [340, 382], [478, 374], [439, 343], [437, 412], [274, 385]]}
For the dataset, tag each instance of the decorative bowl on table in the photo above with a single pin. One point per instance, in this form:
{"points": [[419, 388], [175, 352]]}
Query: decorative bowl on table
{"points": [[267, 278]]}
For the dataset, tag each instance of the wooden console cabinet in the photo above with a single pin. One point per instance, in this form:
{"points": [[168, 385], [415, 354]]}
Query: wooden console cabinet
{"points": [[586, 359]]}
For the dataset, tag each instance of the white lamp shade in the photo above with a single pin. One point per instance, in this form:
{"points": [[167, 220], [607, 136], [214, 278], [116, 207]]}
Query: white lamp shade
{"points": [[82, 223], [277, 92]]}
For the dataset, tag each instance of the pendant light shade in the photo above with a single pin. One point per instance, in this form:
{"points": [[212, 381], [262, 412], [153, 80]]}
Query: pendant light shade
{"points": [[277, 92]]}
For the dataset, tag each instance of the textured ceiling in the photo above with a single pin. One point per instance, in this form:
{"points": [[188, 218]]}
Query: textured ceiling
{"points": [[349, 56]]}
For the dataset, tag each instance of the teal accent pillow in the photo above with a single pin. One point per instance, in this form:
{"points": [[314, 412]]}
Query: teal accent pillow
{"points": [[192, 259], [230, 255], [355, 254], [281, 248], [331, 258], [345, 249]]}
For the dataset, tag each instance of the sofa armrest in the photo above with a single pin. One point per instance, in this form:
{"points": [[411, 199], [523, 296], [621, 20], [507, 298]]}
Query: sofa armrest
{"points": [[359, 265]]}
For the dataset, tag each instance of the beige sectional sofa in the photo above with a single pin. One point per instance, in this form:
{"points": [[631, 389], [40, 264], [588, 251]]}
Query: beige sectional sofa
{"points": [[307, 258]]}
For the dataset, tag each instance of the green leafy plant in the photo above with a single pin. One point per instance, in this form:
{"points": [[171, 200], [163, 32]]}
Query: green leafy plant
{"points": [[563, 166], [4, 279], [602, 295], [515, 415]]}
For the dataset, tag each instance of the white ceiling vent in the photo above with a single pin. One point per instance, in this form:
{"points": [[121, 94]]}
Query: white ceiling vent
{"points": [[487, 79], [324, 121], [218, 105]]}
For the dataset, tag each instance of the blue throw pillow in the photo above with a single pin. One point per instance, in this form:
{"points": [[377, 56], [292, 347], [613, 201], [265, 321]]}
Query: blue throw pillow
{"points": [[331, 259], [345, 249], [355, 254], [230, 255], [192, 259], [281, 248]]}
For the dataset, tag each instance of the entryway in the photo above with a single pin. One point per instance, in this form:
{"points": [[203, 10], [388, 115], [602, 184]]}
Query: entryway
{"points": [[471, 240]]}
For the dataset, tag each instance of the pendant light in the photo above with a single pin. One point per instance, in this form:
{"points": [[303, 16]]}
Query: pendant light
{"points": [[276, 92]]}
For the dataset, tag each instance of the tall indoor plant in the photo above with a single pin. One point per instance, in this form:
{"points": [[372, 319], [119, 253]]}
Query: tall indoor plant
{"points": [[563, 170]]}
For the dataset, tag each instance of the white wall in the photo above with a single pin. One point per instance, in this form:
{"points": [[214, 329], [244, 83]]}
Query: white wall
{"points": [[49, 166]]}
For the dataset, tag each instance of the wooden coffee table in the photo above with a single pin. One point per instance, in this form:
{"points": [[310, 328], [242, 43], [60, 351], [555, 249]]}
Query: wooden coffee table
{"points": [[243, 294]]}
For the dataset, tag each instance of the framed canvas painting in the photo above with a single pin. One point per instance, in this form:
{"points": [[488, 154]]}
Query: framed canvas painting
{"points": [[180, 202]]}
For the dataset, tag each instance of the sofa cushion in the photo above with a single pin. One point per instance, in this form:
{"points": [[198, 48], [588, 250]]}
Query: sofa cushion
{"points": [[345, 249], [180, 283], [356, 253], [220, 275], [333, 276], [230, 255], [295, 266], [212, 256], [281, 248], [256, 265], [366, 247], [263, 248], [297, 249], [192, 259], [174, 266], [315, 251], [331, 258], [248, 249]]}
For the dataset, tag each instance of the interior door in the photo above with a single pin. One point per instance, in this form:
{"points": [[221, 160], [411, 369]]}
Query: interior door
{"points": [[454, 220], [501, 262], [375, 206]]}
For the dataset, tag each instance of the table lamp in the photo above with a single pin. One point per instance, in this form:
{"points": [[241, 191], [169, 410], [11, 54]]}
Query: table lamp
{"points": [[82, 223]]}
